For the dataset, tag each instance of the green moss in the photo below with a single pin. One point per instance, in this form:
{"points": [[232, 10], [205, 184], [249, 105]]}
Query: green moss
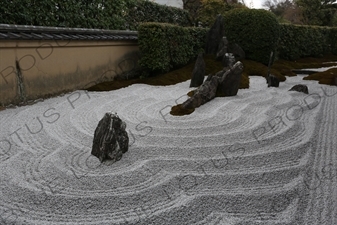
{"points": [[317, 60], [191, 93], [178, 110], [281, 69], [304, 63], [170, 78], [244, 83], [252, 68], [212, 66], [328, 77]]}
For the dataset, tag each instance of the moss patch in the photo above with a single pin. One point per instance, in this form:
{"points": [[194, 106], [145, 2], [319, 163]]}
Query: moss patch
{"points": [[191, 93], [170, 78], [283, 68], [178, 110], [311, 60], [328, 77], [286, 67], [252, 68]]}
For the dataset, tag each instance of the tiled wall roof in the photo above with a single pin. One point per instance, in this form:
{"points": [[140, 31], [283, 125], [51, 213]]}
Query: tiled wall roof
{"points": [[24, 32]]}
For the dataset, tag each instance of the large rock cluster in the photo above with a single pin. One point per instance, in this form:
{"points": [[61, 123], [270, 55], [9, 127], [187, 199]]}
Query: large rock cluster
{"points": [[224, 83]]}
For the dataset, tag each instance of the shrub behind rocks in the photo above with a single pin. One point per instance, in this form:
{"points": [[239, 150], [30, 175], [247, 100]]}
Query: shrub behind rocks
{"points": [[255, 30]]}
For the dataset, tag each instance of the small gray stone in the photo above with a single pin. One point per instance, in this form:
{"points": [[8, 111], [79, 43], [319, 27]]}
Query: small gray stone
{"points": [[300, 88]]}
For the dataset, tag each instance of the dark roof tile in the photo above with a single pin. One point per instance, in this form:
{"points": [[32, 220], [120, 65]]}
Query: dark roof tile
{"points": [[57, 33]]}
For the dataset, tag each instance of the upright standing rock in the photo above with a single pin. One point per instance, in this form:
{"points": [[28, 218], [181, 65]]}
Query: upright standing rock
{"points": [[228, 60], [237, 51], [229, 85], [198, 74], [222, 52], [222, 48], [273, 81], [110, 138], [214, 36]]}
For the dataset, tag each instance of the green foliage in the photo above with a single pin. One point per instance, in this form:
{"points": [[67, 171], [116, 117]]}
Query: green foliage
{"points": [[255, 30], [99, 14], [334, 20], [318, 12], [211, 8], [145, 11], [166, 46], [302, 41], [333, 40]]}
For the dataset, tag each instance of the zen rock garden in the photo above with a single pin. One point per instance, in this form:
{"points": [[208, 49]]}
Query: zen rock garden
{"points": [[111, 139]]}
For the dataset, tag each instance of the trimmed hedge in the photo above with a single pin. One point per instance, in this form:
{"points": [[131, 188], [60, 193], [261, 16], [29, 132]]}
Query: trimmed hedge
{"points": [[112, 14], [298, 41], [255, 30], [166, 46], [145, 11], [333, 40]]}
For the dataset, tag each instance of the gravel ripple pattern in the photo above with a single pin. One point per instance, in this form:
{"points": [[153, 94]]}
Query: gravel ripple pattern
{"points": [[265, 156]]}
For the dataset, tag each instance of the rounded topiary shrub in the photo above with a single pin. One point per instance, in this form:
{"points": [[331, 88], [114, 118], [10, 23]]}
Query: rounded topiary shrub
{"points": [[255, 30]]}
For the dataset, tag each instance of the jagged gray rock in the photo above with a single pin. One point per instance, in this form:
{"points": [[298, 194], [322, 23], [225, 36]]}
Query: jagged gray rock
{"points": [[230, 84], [203, 94], [198, 74], [228, 60], [208, 89], [300, 88], [110, 138]]}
